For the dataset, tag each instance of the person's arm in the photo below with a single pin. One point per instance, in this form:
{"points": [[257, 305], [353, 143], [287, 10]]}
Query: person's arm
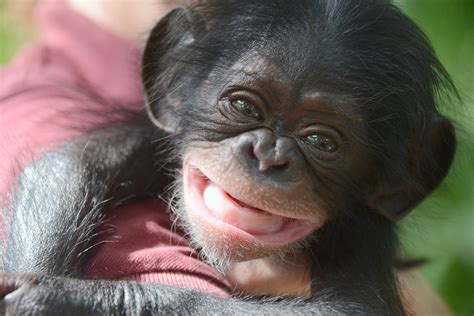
{"points": [[419, 297], [132, 20]]}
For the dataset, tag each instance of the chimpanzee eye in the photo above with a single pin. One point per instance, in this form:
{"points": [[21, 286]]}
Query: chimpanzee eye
{"points": [[246, 108], [323, 142]]}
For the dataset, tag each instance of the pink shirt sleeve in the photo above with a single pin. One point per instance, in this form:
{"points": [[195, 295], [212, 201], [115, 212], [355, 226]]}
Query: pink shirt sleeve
{"points": [[76, 65]]}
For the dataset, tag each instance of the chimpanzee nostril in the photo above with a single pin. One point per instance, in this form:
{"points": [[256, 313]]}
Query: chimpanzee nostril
{"points": [[264, 151], [249, 149], [281, 166], [273, 161]]}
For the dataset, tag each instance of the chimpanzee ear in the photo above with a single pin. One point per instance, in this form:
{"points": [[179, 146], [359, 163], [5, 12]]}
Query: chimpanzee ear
{"points": [[174, 31], [430, 162]]}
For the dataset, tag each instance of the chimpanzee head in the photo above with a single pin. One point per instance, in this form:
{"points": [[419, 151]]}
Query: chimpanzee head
{"points": [[290, 114]]}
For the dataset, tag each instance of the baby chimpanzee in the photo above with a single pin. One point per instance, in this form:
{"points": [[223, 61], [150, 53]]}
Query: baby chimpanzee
{"points": [[297, 129]]}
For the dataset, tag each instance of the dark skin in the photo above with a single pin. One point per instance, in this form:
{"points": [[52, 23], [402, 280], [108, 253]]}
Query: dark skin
{"points": [[302, 132]]}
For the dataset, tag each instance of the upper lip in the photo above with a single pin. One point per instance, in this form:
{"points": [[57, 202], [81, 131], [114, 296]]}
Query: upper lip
{"points": [[242, 203], [239, 200]]}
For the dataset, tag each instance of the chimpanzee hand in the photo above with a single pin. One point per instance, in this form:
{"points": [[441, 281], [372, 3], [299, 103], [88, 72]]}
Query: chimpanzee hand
{"points": [[30, 294]]}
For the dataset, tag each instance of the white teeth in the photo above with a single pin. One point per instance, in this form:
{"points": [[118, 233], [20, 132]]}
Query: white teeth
{"points": [[224, 209], [214, 200]]}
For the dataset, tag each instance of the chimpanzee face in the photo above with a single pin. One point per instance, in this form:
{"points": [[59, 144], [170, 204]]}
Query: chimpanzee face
{"points": [[293, 154]]}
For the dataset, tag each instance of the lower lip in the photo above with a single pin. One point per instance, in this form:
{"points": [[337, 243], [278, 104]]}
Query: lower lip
{"points": [[195, 183]]}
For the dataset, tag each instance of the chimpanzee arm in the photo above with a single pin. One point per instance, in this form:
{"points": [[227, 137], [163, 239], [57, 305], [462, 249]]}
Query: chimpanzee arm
{"points": [[67, 296], [61, 198]]}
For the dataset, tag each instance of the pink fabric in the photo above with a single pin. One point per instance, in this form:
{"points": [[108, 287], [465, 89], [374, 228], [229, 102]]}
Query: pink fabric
{"points": [[77, 65], [147, 249]]}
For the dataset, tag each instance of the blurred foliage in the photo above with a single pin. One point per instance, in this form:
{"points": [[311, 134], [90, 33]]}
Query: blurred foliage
{"points": [[442, 228], [15, 26]]}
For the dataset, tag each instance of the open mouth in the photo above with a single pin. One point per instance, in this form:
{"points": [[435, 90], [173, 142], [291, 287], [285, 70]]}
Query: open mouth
{"points": [[221, 212]]}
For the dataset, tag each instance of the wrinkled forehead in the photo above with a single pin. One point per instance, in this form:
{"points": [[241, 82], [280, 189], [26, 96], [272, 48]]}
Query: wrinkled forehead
{"points": [[295, 57]]}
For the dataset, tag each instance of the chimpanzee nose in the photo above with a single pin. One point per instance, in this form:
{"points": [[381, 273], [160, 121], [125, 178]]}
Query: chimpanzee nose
{"points": [[266, 151]]}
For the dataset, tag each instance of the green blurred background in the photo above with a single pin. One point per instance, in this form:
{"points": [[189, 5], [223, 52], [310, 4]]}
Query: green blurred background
{"points": [[442, 228]]}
